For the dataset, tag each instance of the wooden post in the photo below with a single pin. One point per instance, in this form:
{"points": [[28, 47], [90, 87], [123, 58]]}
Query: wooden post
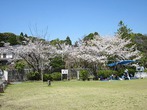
{"points": [[1, 88], [49, 82]]}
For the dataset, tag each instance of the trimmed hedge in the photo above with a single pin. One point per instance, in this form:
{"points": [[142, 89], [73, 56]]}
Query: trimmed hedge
{"points": [[34, 76], [37, 76], [56, 76], [47, 77]]}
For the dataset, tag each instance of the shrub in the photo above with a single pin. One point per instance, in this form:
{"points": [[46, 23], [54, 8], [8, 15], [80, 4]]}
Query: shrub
{"points": [[145, 70], [106, 73], [47, 77], [84, 75], [34, 76], [120, 72], [131, 71], [56, 76]]}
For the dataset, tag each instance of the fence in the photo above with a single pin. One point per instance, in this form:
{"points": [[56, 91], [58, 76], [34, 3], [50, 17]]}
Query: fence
{"points": [[14, 75]]}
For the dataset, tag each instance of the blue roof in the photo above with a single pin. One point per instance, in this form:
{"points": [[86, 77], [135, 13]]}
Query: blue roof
{"points": [[123, 62]]}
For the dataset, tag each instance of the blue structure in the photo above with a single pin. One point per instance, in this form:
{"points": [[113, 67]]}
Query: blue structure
{"points": [[123, 62]]}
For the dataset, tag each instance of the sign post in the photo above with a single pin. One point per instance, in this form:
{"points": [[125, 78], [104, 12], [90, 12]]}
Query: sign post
{"points": [[78, 76], [64, 72]]}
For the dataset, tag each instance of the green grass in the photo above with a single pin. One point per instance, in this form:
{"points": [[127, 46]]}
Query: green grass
{"points": [[76, 95]]}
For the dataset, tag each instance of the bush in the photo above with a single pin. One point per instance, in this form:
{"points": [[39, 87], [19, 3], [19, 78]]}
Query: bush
{"points": [[47, 77], [84, 75], [131, 71], [120, 72], [34, 76], [56, 76], [106, 73], [145, 70]]}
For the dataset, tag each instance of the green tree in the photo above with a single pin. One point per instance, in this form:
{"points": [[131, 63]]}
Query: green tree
{"points": [[19, 66], [56, 41], [91, 36], [2, 37], [123, 30], [96, 33], [9, 37], [26, 35], [20, 69], [13, 40], [21, 34], [57, 64]]}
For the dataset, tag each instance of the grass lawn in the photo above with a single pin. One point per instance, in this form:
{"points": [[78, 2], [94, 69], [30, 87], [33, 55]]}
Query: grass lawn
{"points": [[76, 95]]}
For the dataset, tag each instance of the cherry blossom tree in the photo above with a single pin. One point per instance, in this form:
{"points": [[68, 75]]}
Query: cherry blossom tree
{"points": [[87, 52], [37, 54], [99, 49], [117, 47]]}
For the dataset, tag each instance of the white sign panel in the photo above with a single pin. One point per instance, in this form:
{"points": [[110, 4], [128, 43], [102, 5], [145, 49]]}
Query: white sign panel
{"points": [[64, 71]]}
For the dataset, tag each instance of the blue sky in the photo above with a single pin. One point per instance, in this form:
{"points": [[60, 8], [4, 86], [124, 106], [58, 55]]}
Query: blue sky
{"points": [[73, 18]]}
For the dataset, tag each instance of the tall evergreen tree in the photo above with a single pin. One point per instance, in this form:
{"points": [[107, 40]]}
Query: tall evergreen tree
{"points": [[68, 41], [123, 30], [21, 34]]}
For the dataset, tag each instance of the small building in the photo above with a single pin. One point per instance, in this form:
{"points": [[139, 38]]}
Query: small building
{"points": [[7, 55], [6, 58]]}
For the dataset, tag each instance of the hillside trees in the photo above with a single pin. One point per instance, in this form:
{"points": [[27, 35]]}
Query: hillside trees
{"points": [[11, 38], [90, 36], [141, 41], [57, 41]]}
